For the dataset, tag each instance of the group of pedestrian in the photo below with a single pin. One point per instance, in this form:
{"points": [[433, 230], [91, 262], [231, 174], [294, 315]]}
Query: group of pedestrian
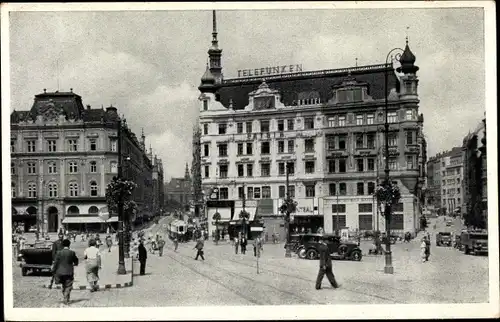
{"points": [[425, 247], [240, 242]]}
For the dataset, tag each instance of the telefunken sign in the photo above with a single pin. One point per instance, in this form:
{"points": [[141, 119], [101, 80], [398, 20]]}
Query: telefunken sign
{"points": [[264, 71]]}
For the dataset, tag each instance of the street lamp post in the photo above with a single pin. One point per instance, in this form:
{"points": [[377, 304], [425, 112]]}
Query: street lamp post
{"points": [[121, 248], [388, 269], [288, 251]]}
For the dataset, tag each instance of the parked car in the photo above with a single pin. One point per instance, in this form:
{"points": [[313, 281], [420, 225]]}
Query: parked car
{"points": [[298, 240], [36, 258], [339, 249], [474, 242], [443, 238]]}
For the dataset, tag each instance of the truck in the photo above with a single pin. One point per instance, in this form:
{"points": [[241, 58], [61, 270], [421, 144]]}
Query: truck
{"points": [[443, 238], [474, 242]]}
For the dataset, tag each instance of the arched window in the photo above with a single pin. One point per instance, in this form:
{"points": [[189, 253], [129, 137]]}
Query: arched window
{"points": [[93, 188], [52, 190], [12, 168], [73, 189], [93, 210], [73, 210], [13, 189], [31, 190], [114, 167], [93, 167]]}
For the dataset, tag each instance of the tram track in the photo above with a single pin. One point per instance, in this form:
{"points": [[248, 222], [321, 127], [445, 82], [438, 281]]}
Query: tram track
{"points": [[304, 300]]}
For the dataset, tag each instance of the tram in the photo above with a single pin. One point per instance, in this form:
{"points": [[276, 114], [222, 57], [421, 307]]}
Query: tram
{"points": [[177, 229]]}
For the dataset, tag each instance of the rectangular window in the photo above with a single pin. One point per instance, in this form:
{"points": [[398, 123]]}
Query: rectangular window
{"points": [[250, 192], [52, 145], [342, 166], [309, 145], [393, 164], [310, 191], [340, 208], [222, 150], [265, 169], [370, 141], [365, 222], [222, 128], [291, 191], [371, 188], [248, 127], [281, 169], [223, 171], [281, 146], [397, 222], [360, 188], [392, 117], [241, 170], [265, 148], [256, 193], [281, 192], [93, 167], [31, 168], [339, 222], [239, 127], [73, 145], [409, 115], [409, 137], [31, 145], [341, 120], [12, 146], [206, 150], [240, 148], [398, 207], [73, 167], [241, 191], [360, 165], [330, 142], [249, 170], [52, 168], [393, 139], [207, 171], [309, 123], [331, 121], [371, 164], [93, 144], [309, 166], [359, 141], [359, 119], [342, 142], [224, 193], [370, 119], [291, 146], [205, 105], [365, 207], [249, 149], [331, 166], [332, 189], [264, 126], [410, 162], [281, 125], [291, 168], [266, 192], [342, 189], [205, 129], [289, 124], [114, 145]]}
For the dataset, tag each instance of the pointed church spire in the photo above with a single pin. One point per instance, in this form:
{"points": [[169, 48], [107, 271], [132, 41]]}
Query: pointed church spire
{"points": [[215, 53], [186, 173], [215, 42]]}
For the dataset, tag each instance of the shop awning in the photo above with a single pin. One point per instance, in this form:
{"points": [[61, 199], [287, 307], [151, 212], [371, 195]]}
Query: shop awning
{"points": [[225, 214], [251, 210], [113, 219], [83, 220]]}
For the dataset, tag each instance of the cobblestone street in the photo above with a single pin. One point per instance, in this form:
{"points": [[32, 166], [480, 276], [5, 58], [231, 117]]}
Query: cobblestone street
{"points": [[225, 278]]}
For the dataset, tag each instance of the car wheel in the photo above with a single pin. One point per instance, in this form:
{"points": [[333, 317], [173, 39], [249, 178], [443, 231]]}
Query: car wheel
{"points": [[356, 255], [466, 250], [312, 254], [301, 253], [342, 250], [24, 271]]}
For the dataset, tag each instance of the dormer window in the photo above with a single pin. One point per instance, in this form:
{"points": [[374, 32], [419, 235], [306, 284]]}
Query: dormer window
{"points": [[350, 95]]}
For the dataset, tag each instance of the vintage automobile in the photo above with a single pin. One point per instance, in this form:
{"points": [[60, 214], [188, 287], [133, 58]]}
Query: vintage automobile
{"points": [[443, 238], [36, 258], [339, 249], [474, 242]]}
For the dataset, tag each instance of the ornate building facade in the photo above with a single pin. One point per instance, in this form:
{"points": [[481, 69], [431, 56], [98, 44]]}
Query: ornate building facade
{"points": [[327, 126], [63, 155]]}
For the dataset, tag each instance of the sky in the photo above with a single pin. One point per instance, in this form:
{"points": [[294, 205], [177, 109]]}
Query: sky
{"points": [[149, 63]]}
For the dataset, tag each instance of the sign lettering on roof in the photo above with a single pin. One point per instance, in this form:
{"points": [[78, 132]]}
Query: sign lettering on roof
{"points": [[274, 70]]}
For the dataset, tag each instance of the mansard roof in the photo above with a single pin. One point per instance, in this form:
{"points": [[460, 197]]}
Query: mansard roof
{"points": [[292, 86]]}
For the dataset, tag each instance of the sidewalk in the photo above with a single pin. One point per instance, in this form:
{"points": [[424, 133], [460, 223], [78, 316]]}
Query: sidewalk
{"points": [[108, 277]]}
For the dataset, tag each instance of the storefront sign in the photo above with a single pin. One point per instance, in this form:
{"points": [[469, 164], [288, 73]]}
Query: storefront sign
{"points": [[265, 71]]}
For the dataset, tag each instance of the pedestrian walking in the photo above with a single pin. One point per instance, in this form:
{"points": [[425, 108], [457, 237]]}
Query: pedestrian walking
{"points": [[109, 243], [423, 250], [143, 255], [98, 241], [199, 249], [427, 248], [325, 267], [92, 258], [161, 244], [56, 246], [243, 244], [63, 269], [236, 244], [176, 243], [257, 246]]}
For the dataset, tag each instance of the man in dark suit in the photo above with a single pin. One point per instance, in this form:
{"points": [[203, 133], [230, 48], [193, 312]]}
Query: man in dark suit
{"points": [[63, 269], [56, 246], [143, 255], [325, 266]]}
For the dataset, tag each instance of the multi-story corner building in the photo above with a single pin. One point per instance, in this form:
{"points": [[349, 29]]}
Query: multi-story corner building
{"points": [[328, 126], [433, 197], [178, 192], [63, 155]]}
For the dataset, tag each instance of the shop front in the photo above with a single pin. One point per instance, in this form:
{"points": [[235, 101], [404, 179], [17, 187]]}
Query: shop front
{"points": [[24, 220], [221, 226]]}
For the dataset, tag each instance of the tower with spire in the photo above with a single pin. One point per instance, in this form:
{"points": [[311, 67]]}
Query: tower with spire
{"points": [[409, 80], [143, 141], [215, 53], [187, 176]]}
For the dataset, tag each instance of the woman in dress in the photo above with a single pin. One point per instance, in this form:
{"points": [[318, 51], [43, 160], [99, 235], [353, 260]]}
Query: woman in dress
{"points": [[93, 264]]}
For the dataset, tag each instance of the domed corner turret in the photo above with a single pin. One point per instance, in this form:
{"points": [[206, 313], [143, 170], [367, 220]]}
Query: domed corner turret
{"points": [[407, 61], [207, 82]]}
